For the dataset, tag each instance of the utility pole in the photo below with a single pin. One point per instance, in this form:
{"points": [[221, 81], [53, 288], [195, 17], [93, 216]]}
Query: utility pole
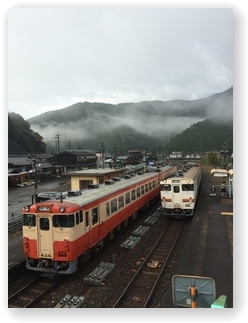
{"points": [[57, 137], [102, 156], [34, 167], [115, 157]]}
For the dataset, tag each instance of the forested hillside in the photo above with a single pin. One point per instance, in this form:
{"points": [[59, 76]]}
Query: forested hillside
{"points": [[21, 138], [204, 136], [188, 126]]}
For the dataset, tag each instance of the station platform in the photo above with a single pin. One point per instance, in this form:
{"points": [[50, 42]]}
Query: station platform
{"points": [[208, 248]]}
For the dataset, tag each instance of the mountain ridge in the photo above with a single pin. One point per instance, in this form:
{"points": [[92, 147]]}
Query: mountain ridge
{"points": [[146, 124]]}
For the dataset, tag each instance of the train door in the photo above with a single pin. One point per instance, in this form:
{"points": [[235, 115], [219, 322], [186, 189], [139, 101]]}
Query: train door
{"points": [[176, 196], [92, 230], [95, 224], [45, 237], [88, 237]]}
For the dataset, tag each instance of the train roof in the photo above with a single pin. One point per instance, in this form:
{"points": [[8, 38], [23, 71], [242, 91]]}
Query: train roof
{"points": [[189, 174], [90, 195]]}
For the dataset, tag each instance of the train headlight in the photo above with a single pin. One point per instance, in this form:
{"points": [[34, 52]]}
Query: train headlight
{"points": [[62, 209], [26, 208]]}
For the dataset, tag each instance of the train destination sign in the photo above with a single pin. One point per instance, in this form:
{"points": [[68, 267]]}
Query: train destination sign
{"points": [[220, 174]]}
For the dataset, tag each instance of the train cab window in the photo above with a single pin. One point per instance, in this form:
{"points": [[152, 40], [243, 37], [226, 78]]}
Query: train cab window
{"points": [[176, 189], [138, 192], [113, 205], [165, 187], [121, 201], [63, 221], [94, 215], [133, 195], [187, 187], [107, 209], [44, 224], [29, 220], [127, 197]]}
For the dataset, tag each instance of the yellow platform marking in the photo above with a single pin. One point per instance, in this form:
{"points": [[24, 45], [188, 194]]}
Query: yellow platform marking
{"points": [[227, 213]]}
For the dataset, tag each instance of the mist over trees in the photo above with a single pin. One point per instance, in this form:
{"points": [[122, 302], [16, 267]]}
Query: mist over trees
{"points": [[187, 126]]}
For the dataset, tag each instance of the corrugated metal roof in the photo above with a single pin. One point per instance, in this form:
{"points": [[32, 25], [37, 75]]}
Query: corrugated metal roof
{"points": [[19, 160]]}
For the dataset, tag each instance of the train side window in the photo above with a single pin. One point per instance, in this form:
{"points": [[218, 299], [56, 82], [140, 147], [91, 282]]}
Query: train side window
{"points": [[81, 218], [94, 215], [146, 186], [44, 224], [29, 220], [107, 209], [77, 218], [138, 192], [127, 197], [87, 218], [133, 195], [113, 205], [176, 189], [121, 201], [150, 186], [142, 190]]}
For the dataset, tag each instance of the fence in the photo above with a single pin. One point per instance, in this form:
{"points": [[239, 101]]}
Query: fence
{"points": [[15, 224]]}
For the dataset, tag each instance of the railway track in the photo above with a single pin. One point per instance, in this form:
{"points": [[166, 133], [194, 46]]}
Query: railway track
{"points": [[28, 296], [142, 286], [106, 293]]}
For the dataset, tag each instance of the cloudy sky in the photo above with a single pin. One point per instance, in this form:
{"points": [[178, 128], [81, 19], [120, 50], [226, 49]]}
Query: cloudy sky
{"points": [[61, 56]]}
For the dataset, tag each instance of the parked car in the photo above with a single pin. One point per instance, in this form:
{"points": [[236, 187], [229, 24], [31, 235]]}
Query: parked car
{"points": [[129, 167]]}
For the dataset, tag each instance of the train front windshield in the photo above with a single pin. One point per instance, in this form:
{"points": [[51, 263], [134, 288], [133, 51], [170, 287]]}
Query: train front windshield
{"points": [[59, 221], [188, 187], [29, 220], [165, 187], [63, 221]]}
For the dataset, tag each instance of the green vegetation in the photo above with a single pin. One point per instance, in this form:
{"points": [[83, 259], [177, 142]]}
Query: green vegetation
{"points": [[159, 127], [205, 136], [19, 132]]}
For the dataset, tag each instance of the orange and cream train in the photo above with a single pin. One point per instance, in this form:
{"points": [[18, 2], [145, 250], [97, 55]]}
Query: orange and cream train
{"points": [[58, 235], [179, 194]]}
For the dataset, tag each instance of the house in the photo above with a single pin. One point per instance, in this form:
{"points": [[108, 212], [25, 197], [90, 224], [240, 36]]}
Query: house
{"points": [[74, 160], [22, 169]]}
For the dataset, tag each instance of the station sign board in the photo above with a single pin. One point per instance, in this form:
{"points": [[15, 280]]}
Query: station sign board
{"points": [[181, 291]]}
